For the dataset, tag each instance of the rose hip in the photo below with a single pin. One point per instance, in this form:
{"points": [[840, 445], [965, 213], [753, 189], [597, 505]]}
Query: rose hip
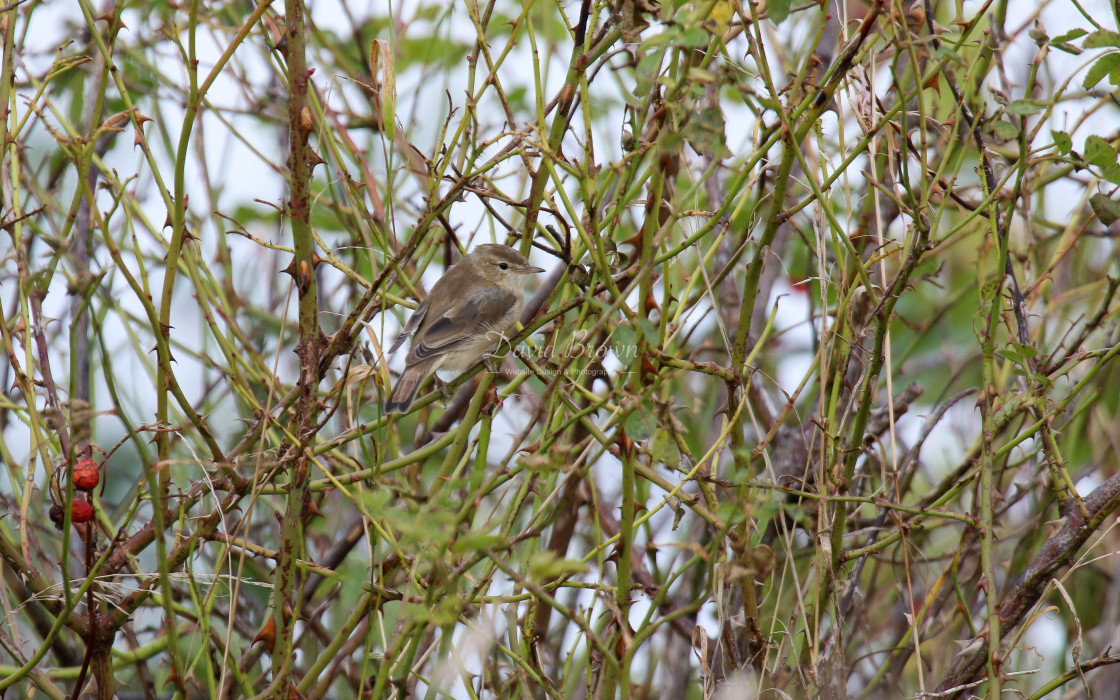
{"points": [[86, 474], [80, 511]]}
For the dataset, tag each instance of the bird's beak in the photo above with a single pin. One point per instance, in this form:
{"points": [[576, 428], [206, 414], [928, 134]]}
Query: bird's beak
{"points": [[529, 270]]}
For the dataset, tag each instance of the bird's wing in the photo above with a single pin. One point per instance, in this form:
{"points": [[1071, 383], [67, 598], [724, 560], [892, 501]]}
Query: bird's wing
{"points": [[478, 313], [414, 322]]}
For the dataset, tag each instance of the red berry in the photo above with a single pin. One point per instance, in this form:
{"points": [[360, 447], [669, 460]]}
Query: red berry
{"points": [[86, 474], [80, 511]]}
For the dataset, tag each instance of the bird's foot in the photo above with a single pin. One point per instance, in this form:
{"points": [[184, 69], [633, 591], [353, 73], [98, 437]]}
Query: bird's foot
{"points": [[442, 386], [492, 362]]}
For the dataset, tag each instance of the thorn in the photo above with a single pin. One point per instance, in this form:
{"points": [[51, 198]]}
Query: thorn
{"points": [[267, 634], [306, 125]]}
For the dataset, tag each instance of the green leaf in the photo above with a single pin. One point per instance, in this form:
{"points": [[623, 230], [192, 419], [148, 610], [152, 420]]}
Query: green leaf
{"points": [[1068, 48], [669, 144], [476, 541], [719, 18], [947, 53], [646, 73], [1101, 39], [640, 425], [730, 512], [1062, 141], [1062, 42], [1070, 35], [1111, 173], [1099, 153], [376, 502], [624, 338], [664, 449], [705, 131], [1107, 210], [1005, 130], [1105, 65], [670, 36], [1023, 108], [777, 10], [694, 38], [516, 96], [649, 331], [1027, 352]]}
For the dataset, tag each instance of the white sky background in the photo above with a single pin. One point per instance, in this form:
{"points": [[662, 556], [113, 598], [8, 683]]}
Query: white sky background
{"points": [[422, 106]]}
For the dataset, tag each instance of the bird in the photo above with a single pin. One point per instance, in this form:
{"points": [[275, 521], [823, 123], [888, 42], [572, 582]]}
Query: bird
{"points": [[470, 309]]}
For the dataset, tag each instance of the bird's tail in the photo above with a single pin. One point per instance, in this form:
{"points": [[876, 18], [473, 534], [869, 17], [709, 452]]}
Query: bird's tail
{"points": [[404, 391]]}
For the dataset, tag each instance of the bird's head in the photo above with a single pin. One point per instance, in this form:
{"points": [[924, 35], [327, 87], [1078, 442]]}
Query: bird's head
{"points": [[501, 264]]}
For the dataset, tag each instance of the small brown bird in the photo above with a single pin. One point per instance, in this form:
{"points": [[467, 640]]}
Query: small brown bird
{"points": [[471, 308]]}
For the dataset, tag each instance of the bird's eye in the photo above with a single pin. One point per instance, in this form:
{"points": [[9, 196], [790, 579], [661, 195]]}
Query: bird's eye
{"points": [[503, 266]]}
